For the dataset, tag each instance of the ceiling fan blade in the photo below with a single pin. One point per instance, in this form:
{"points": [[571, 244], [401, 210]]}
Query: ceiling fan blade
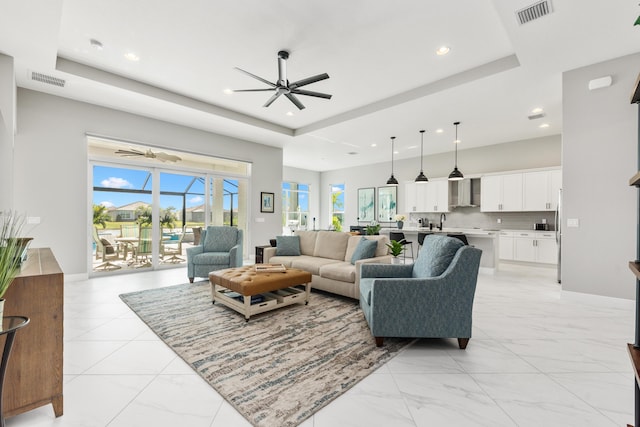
{"points": [[309, 80], [273, 98], [295, 100], [254, 90], [131, 152], [256, 77], [167, 157], [311, 93]]}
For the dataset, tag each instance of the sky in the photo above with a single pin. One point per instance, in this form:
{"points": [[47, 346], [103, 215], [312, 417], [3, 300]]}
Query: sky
{"points": [[122, 178]]}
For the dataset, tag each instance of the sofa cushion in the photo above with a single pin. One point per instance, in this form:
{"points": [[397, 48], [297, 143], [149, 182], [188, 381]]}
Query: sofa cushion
{"points": [[307, 241], [366, 249], [331, 244], [220, 238], [436, 255], [288, 245], [381, 249], [341, 271], [284, 260], [311, 264]]}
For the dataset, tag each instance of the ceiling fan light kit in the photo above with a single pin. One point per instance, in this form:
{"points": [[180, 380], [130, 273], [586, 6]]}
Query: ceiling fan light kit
{"points": [[283, 87], [456, 175]]}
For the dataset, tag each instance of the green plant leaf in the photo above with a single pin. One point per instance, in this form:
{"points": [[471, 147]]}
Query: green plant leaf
{"points": [[637, 21]]}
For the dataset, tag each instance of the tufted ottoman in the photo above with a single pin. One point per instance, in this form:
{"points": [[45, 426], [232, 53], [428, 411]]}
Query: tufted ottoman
{"points": [[276, 288]]}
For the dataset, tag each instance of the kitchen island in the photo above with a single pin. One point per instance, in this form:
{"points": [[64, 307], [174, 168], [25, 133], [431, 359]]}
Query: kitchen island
{"points": [[486, 240]]}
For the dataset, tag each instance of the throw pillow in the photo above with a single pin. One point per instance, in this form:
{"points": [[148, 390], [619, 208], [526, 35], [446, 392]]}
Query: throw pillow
{"points": [[366, 249], [288, 245]]}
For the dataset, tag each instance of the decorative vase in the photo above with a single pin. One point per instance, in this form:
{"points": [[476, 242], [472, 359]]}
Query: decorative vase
{"points": [[400, 225], [395, 260]]}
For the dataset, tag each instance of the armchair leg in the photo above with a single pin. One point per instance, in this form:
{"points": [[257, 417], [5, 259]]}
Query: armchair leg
{"points": [[379, 341], [462, 343], [190, 279]]}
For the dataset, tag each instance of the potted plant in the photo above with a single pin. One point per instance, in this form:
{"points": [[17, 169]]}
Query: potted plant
{"points": [[400, 221], [372, 229], [11, 250], [395, 248]]}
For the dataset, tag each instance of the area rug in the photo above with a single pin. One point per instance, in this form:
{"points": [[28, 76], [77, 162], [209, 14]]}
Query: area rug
{"points": [[280, 367]]}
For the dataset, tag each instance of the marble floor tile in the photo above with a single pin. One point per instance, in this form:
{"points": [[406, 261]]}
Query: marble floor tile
{"points": [[534, 400], [538, 357]]}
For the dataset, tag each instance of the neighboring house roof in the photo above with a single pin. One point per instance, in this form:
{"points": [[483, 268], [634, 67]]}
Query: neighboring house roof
{"points": [[132, 206]]}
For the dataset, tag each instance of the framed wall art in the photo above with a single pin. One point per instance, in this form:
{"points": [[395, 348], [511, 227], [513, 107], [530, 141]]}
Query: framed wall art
{"points": [[366, 204], [267, 201], [387, 203]]}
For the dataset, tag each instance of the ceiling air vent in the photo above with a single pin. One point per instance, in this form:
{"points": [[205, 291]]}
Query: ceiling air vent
{"points": [[50, 80], [534, 11], [536, 116]]}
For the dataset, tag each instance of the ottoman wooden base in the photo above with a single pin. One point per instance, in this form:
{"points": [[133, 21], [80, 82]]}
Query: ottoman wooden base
{"points": [[246, 282]]}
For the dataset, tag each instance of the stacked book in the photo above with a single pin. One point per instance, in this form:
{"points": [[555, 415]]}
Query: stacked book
{"points": [[270, 268]]}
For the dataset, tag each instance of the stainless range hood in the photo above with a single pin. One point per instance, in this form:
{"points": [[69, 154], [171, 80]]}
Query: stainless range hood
{"points": [[464, 193]]}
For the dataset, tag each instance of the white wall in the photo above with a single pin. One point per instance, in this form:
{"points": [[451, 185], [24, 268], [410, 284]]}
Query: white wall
{"points": [[51, 168], [526, 154], [7, 121], [599, 156]]}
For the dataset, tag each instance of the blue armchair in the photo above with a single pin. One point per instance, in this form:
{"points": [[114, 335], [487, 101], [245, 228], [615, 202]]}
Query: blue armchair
{"points": [[220, 247], [431, 298]]}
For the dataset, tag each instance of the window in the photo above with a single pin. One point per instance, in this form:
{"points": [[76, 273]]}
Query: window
{"points": [[337, 206], [295, 207]]}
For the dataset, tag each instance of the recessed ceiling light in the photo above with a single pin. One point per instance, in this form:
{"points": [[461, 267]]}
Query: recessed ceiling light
{"points": [[131, 56], [439, 130], [456, 141], [374, 145], [544, 125], [396, 152], [536, 110], [443, 50], [227, 91], [289, 113], [412, 147], [95, 44]]}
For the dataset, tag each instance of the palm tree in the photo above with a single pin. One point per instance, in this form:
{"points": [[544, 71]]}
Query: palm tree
{"points": [[100, 215]]}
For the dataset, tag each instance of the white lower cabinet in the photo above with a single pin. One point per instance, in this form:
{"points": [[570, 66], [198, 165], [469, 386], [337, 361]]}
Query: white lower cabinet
{"points": [[506, 245], [539, 247]]}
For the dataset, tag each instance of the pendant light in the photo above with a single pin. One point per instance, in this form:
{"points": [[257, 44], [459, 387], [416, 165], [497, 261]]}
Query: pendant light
{"points": [[421, 178], [456, 175], [392, 180]]}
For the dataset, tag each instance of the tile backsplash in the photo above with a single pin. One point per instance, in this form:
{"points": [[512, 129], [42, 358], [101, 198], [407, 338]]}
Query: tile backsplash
{"points": [[470, 217]]}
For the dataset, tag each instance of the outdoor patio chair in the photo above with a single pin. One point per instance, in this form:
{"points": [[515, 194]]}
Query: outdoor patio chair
{"points": [[172, 248], [106, 250], [142, 250]]}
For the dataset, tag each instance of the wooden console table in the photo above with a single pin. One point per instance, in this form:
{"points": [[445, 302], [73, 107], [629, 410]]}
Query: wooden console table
{"points": [[34, 377]]}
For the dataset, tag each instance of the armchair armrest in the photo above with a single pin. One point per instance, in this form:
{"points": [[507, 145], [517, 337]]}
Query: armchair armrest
{"points": [[385, 270], [235, 256], [195, 250]]}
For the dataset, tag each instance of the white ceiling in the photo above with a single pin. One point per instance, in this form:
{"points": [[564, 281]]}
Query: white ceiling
{"points": [[385, 77]]}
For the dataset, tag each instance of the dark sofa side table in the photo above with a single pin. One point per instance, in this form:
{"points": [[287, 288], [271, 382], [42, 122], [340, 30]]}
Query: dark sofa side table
{"points": [[10, 325], [260, 253]]}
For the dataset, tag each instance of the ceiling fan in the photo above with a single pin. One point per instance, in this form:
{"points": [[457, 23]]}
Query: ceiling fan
{"points": [[163, 157], [283, 87]]}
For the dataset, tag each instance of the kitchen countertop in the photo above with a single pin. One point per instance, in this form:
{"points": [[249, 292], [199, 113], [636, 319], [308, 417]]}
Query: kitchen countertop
{"points": [[469, 231]]}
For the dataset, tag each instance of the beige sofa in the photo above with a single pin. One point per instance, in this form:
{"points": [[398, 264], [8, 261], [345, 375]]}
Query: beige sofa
{"points": [[327, 256]]}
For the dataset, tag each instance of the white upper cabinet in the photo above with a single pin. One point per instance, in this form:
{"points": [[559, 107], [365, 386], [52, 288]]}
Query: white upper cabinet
{"points": [[501, 193], [437, 196], [541, 190], [410, 201]]}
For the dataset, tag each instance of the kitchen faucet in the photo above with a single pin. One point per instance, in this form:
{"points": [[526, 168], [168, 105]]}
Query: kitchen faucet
{"points": [[443, 218]]}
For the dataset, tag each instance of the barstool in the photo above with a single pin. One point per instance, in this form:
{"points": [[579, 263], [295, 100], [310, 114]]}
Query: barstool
{"points": [[399, 237], [460, 236], [421, 237]]}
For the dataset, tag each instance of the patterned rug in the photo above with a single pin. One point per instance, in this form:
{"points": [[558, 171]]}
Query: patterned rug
{"points": [[281, 366]]}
